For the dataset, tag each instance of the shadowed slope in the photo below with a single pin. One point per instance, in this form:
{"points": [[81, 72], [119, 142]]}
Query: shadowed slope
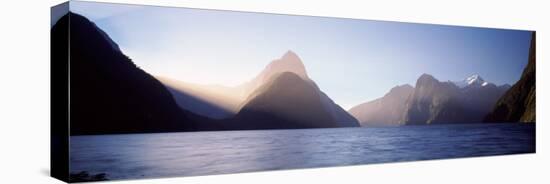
{"points": [[519, 102], [286, 101], [108, 92], [268, 99]]}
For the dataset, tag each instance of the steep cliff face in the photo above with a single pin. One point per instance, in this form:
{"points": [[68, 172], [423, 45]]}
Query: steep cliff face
{"points": [[518, 104], [432, 101], [446, 102], [108, 92]]}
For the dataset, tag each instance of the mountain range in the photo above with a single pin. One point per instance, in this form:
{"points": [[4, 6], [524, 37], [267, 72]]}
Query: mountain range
{"points": [[435, 102], [430, 102], [281, 96], [109, 94], [472, 100]]}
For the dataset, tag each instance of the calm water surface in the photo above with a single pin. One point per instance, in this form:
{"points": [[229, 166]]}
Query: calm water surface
{"points": [[201, 153]]}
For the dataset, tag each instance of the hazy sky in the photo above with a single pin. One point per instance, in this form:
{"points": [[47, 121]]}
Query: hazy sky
{"points": [[353, 61]]}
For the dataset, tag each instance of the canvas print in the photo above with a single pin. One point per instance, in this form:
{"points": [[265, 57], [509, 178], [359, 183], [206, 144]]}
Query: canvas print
{"points": [[148, 91]]}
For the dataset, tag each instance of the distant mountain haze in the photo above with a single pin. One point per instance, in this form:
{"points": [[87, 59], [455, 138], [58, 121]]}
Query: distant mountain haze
{"points": [[219, 102], [385, 111], [289, 62], [280, 96], [213, 101], [518, 104]]}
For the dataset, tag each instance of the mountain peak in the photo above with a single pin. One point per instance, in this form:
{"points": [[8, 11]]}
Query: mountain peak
{"points": [[292, 60], [289, 62], [84, 23], [424, 78], [505, 86], [291, 55], [473, 80]]}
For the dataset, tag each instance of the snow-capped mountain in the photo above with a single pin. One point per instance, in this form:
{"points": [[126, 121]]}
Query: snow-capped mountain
{"points": [[435, 102], [432, 101], [474, 80]]}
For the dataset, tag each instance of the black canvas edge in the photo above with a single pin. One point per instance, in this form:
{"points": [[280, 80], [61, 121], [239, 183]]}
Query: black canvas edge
{"points": [[59, 91]]}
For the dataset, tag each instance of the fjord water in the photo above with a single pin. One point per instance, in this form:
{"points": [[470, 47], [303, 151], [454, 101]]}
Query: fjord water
{"points": [[201, 153]]}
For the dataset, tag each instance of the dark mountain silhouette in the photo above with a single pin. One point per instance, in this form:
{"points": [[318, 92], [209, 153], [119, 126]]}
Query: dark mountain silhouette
{"points": [[519, 102], [108, 92], [444, 102], [384, 111]]}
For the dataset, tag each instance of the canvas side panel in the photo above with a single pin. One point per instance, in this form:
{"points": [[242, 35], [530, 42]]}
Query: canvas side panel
{"points": [[59, 81]]}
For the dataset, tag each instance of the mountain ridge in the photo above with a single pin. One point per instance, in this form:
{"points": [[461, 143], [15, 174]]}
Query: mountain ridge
{"points": [[518, 104], [434, 101], [275, 76], [104, 83], [431, 101]]}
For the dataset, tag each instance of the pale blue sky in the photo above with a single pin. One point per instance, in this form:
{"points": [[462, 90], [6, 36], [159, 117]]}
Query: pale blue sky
{"points": [[353, 61]]}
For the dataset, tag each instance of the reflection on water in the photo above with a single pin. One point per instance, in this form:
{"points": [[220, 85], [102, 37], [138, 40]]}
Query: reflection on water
{"points": [[201, 153]]}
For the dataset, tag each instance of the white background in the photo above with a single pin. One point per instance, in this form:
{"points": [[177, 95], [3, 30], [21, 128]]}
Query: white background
{"points": [[25, 95]]}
